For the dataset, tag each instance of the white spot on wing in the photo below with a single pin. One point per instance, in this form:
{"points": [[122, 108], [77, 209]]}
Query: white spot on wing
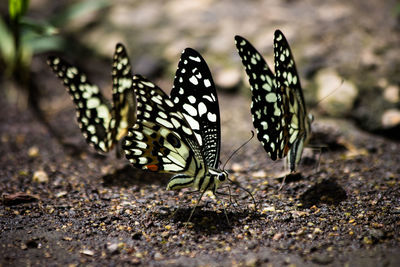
{"points": [[202, 109], [164, 123], [271, 97], [192, 122], [192, 99], [92, 103], [194, 80], [190, 109], [198, 137], [197, 59], [187, 130], [212, 117]]}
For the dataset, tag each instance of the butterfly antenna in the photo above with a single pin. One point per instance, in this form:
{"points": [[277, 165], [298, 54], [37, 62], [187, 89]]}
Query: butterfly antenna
{"points": [[237, 149], [330, 93], [236, 183], [246, 190]]}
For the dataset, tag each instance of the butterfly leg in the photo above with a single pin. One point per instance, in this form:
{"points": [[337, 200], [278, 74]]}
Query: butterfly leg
{"points": [[223, 206], [319, 149], [173, 214], [283, 181], [230, 197], [198, 202]]}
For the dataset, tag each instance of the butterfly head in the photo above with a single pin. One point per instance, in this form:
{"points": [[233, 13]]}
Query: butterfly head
{"points": [[217, 177], [223, 176]]}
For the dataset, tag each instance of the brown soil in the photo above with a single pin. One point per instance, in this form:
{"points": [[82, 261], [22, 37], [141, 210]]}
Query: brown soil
{"points": [[98, 209]]}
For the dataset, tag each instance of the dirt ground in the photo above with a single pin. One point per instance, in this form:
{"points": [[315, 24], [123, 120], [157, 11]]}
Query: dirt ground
{"points": [[98, 210], [64, 204]]}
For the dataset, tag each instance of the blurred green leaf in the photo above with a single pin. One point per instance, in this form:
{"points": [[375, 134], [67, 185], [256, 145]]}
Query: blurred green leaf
{"points": [[41, 44], [42, 28], [17, 8], [7, 49], [78, 9]]}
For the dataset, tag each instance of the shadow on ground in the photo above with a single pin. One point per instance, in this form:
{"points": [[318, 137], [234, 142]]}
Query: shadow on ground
{"points": [[328, 191], [128, 176]]}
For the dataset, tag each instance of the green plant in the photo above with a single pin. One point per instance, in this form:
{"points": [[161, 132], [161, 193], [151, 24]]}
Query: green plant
{"points": [[21, 37]]}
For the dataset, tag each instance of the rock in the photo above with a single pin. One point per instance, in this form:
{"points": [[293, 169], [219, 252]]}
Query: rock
{"points": [[113, 248], [268, 209], [337, 96], [390, 118], [228, 79], [277, 236], [40, 177], [237, 167], [392, 94], [259, 174], [61, 194], [33, 152], [87, 252]]}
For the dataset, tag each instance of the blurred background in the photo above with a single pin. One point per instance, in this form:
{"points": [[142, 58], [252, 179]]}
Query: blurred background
{"points": [[347, 52]]}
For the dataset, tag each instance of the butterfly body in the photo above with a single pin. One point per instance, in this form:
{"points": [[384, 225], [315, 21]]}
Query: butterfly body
{"points": [[102, 124], [278, 107], [179, 134]]}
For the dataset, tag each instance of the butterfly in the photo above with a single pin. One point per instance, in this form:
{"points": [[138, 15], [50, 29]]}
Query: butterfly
{"points": [[179, 134], [278, 107], [102, 124]]}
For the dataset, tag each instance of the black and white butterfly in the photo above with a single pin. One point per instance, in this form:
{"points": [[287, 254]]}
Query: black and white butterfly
{"points": [[102, 124], [179, 134], [278, 107]]}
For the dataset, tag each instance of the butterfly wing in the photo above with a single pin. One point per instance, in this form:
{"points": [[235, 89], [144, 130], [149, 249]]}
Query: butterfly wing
{"points": [[288, 81], [298, 123], [161, 140], [124, 99], [93, 110], [194, 94], [266, 107]]}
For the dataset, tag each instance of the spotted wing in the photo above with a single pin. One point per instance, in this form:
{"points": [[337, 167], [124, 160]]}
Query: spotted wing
{"points": [[288, 81], [124, 99], [195, 96], [266, 107], [93, 110], [161, 140]]}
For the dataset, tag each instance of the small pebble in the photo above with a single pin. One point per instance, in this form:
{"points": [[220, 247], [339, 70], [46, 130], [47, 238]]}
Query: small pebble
{"points": [[87, 252], [33, 152], [277, 236], [112, 248], [259, 174], [40, 177]]}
